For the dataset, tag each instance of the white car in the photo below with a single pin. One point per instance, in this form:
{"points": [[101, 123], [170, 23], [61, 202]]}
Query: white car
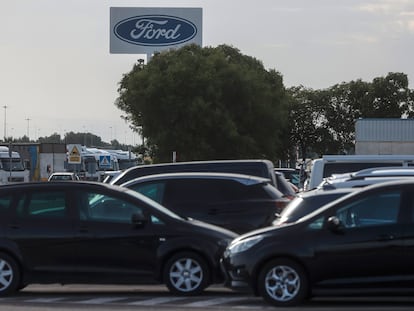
{"points": [[63, 176], [366, 177]]}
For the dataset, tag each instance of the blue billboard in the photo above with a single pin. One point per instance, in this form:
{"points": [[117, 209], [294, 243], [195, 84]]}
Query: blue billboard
{"points": [[150, 30]]}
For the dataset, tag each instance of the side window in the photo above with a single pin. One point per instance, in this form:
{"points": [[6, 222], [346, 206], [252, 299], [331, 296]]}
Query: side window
{"points": [[374, 210], [42, 204], [183, 195], [154, 191], [5, 203], [105, 208]]}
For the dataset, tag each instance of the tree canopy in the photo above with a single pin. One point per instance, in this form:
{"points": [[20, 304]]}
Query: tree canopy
{"points": [[330, 124], [205, 103]]}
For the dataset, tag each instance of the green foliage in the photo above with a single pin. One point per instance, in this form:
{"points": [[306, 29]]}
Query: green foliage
{"points": [[205, 103], [323, 121]]}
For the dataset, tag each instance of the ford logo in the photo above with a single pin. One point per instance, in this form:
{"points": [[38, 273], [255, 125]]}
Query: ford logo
{"points": [[155, 30]]}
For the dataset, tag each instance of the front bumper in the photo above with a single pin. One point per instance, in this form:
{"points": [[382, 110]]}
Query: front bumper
{"points": [[235, 276]]}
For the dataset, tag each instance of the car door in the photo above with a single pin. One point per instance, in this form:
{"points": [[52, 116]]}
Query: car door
{"points": [[369, 245], [110, 245], [408, 227], [42, 226]]}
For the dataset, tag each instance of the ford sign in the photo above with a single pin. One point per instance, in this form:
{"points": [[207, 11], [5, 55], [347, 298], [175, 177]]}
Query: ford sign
{"points": [[155, 30]]}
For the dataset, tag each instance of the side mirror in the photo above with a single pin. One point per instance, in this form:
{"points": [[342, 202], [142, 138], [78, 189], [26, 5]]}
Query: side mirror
{"points": [[335, 225], [138, 219]]}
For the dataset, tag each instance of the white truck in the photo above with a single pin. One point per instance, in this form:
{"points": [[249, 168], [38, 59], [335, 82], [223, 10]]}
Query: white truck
{"points": [[12, 169], [126, 159]]}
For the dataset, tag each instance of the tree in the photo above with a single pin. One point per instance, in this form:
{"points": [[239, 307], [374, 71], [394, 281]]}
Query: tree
{"points": [[54, 138], [205, 103], [323, 121], [87, 139]]}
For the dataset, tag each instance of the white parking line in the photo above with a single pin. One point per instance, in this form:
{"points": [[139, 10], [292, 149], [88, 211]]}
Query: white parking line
{"points": [[45, 300], [100, 300], [155, 301], [214, 301]]}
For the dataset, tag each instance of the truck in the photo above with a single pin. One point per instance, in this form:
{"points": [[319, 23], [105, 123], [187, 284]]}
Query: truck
{"points": [[12, 169], [126, 159], [93, 165]]}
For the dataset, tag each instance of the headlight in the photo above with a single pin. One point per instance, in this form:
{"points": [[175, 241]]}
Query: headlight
{"points": [[244, 245]]}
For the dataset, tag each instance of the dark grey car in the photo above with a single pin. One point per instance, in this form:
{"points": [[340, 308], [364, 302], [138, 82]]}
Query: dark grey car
{"points": [[237, 202]]}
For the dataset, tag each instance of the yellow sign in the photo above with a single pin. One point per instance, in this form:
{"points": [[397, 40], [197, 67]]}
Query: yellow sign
{"points": [[74, 156]]}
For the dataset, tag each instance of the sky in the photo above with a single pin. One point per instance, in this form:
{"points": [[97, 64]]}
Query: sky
{"points": [[57, 74]]}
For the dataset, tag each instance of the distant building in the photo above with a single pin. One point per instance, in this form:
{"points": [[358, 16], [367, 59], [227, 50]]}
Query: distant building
{"points": [[384, 136]]}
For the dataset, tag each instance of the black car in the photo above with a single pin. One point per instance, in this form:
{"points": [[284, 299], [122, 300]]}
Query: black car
{"points": [[360, 243], [260, 168], [85, 232], [240, 203]]}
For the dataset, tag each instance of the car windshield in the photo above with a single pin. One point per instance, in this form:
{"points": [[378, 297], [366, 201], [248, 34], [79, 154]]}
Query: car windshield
{"points": [[12, 165]]}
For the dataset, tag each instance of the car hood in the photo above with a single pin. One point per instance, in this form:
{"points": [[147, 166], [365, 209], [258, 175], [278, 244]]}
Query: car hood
{"points": [[267, 231], [218, 231]]}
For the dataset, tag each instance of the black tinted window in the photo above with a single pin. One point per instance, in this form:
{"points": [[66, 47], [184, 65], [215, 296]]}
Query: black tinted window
{"points": [[205, 192], [5, 202], [152, 190], [42, 204], [106, 208], [376, 209]]}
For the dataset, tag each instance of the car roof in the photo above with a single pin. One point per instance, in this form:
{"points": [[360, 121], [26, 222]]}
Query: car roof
{"points": [[321, 191], [243, 179], [64, 183], [383, 172], [63, 173], [190, 166]]}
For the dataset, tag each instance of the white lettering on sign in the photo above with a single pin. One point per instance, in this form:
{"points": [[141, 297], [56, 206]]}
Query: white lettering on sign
{"points": [[145, 29]]}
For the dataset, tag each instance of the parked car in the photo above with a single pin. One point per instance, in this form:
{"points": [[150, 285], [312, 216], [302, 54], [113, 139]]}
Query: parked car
{"points": [[237, 202], [360, 243], [109, 175], [260, 168], [291, 174], [86, 232], [307, 202], [284, 186], [366, 177], [59, 176], [339, 164]]}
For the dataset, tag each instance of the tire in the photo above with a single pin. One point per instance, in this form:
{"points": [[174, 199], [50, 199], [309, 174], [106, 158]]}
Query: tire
{"points": [[283, 282], [186, 273], [9, 275]]}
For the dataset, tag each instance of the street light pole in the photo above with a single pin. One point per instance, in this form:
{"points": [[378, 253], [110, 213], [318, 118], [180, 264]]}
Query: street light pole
{"points": [[28, 120], [5, 124]]}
